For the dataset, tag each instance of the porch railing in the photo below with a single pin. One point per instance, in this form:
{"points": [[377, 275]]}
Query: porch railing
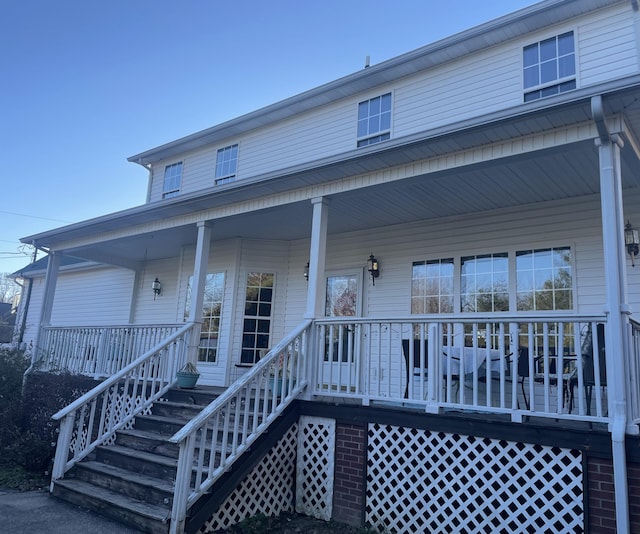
{"points": [[227, 427], [93, 419], [633, 373], [97, 350], [520, 366]]}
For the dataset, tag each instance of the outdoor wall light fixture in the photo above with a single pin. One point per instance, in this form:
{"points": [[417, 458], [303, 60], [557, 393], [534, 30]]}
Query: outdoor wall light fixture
{"points": [[632, 242], [374, 268], [157, 288], [306, 272]]}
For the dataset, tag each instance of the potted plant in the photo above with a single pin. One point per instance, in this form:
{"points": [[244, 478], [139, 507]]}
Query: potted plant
{"points": [[187, 376], [280, 372]]}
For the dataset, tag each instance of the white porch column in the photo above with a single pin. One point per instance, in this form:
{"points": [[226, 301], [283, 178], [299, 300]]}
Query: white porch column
{"points": [[50, 281], [617, 308], [197, 290], [317, 257]]}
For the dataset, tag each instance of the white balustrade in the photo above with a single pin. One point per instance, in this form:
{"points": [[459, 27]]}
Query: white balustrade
{"points": [[522, 366], [97, 351]]}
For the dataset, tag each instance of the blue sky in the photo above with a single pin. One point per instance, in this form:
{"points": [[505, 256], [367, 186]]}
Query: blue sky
{"points": [[88, 83]]}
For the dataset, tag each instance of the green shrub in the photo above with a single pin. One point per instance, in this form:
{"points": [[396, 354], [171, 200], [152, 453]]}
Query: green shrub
{"points": [[28, 435]]}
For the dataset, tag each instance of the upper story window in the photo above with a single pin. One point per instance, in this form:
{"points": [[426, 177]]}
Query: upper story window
{"points": [[549, 67], [374, 120], [172, 180], [226, 164]]}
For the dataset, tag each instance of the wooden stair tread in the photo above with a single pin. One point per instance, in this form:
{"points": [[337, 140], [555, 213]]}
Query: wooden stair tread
{"points": [[152, 511], [141, 455], [125, 474]]}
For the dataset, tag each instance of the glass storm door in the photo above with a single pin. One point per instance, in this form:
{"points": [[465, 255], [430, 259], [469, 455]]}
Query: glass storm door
{"points": [[341, 342]]}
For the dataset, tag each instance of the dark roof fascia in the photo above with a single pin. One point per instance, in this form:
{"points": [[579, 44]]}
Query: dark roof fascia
{"points": [[513, 25]]}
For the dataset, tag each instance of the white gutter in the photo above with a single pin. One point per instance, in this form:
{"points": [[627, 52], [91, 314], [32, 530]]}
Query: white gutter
{"points": [[615, 281]]}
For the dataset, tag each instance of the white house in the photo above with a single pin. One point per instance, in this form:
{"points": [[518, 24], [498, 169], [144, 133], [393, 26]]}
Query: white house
{"points": [[477, 196]]}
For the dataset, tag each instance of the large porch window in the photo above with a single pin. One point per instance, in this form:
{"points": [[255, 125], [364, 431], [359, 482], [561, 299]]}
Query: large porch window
{"points": [[258, 309], [484, 283], [543, 282]]}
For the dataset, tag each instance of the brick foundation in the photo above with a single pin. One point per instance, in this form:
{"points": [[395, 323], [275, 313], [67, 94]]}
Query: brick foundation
{"points": [[350, 467], [633, 477], [602, 510]]}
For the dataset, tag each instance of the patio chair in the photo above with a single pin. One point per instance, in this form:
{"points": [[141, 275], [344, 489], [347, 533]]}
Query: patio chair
{"points": [[588, 367], [419, 366]]}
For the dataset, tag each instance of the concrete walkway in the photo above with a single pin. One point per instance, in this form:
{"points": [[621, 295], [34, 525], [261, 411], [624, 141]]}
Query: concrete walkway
{"points": [[36, 511]]}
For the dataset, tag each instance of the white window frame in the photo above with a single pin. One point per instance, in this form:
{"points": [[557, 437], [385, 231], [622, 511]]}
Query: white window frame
{"points": [[169, 188], [227, 164], [365, 136], [512, 276], [560, 84]]}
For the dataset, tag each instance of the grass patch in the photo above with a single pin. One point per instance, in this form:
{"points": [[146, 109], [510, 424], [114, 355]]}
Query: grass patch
{"points": [[13, 476]]}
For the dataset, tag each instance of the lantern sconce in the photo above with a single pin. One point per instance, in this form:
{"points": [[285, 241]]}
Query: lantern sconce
{"points": [[306, 272], [157, 288], [374, 268], [632, 242]]}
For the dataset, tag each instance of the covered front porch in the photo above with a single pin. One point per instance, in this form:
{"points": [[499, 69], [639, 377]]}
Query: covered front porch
{"points": [[549, 185]]}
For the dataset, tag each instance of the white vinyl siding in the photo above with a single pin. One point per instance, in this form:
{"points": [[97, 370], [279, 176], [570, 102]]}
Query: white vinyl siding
{"points": [[574, 223], [608, 48], [93, 297], [471, 86]]}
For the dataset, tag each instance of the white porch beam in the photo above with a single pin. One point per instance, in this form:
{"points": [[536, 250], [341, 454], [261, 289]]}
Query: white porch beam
{"points": [[317, 257], [617, 308], [197, 290]]}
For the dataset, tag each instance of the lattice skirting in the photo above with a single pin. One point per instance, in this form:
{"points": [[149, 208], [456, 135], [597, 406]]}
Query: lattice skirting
{"points": [[420, 481], [316, 455], [268, 489]]}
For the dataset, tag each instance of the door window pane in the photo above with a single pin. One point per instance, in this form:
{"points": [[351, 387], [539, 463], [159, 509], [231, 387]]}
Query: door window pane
{"points": [[211, 314], [257, 316]]}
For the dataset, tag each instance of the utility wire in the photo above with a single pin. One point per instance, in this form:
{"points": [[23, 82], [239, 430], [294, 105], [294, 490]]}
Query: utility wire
{"points": [[33, 216]]}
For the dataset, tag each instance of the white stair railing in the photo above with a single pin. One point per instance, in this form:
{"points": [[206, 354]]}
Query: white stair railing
{"points": [[215, 438], [94, 418]]}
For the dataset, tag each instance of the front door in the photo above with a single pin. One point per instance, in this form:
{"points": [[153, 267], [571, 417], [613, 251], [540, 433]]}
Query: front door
{"points": [[342, 299]]}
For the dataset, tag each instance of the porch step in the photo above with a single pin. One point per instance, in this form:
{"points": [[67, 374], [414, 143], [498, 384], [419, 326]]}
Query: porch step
{"points": [[123, 481], [132, 480], [154, 465], [142, 515], [148, 441]]}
